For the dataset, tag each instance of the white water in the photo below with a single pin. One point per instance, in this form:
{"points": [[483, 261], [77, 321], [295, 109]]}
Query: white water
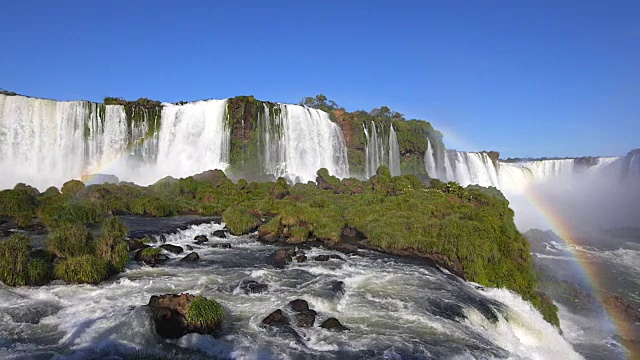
{"points": [[308, 141], [45, 142], [430, 161], [394, 308], [379, 152]]}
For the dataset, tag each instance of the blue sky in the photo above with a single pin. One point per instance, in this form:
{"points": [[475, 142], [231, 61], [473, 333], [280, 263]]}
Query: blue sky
{"points": [[540, 78]]}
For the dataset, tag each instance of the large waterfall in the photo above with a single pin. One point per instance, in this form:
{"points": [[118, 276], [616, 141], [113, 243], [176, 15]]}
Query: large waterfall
{"points": [[379, 152], [45, 142], [297, 141]]}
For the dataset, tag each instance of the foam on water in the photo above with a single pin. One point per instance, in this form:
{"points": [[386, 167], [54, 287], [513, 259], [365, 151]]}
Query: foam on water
{"points": [[393, 307]]}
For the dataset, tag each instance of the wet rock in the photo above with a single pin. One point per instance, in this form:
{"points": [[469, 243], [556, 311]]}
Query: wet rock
{"points": [[192, 257], [137, 244], [268, 238], [175, 249], [221, 246], [163, 238], [150, 258], [282, 257], [189, 247], [170, 316], [347, 249], [337, 287], [276, 318], [622, 307], [299, 305], [253, 287], [301, 258], [220, 234], [333, 324], [306, 318], [200, 239], [328, 257]]}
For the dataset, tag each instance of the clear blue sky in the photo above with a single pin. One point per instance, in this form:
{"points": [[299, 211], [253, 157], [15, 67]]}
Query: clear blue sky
{"points": [[539, 78]]}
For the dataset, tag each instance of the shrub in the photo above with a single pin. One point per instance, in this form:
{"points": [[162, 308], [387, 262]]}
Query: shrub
{"points": [[39, 271], [148, 255], [153, 206], [87, 269], [203, 312], [14, 260], [70, 241], [111, 246], [239, 220], [72, 187]]}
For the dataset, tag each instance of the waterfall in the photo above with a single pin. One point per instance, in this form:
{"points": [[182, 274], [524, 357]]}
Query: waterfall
{"points": [[430, 162], [46, 142], [394, 154], [374, 151], [297, 141], [468, 168]]}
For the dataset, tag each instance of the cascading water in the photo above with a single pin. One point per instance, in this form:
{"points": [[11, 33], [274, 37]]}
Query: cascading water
{"points": [[297, 141], [470, 168], [394, 154], [45, 142], [430, 162]]}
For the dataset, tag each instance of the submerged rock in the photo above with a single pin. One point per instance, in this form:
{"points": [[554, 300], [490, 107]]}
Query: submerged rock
{"points": [[282, 257], [170, 316], [200, 239], [276, 318], [328, 257], [301, 258], [220, 234], [175, 249], [333, 324], [253, 287], [192, 257], [221, 246]]}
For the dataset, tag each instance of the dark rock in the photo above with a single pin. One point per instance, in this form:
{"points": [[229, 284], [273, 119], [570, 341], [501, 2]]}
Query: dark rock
{"points": [[170, 316], [163, 238], [349, 232], [337, 287], [189, 247], [200, 239], [221, 246], [268, 238], [154, 259], [253, 287], [333, 324], [136, 244], [175, 249], [621, 307], [220, 234], [327, 257], [346, 249], [282, 257], [301, 258], [299, 305], [305, 318], [276, 318], [193, 256]]}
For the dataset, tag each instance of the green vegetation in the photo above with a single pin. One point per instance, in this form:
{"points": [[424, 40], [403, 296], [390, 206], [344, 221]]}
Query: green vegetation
{"points": [[111, 246], [239, 220], [149, 254], [203, 312], [84, 269], [14, 260], [70, 241]]}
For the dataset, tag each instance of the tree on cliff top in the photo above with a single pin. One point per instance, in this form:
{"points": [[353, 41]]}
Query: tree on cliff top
{"points": [[320, 102]]}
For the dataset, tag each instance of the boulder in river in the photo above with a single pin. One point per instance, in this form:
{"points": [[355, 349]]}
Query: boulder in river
{"points": [[333, 324], [276, 318], [177, 315], [299, 305], [328, 257], [191, 257], [253, 287], [200, 239], [301, 258], [175, 249], [282, 257], [220, 234], [221, 245], [151, 256]]}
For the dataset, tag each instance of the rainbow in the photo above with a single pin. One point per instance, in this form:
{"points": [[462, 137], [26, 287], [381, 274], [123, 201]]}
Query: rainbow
{"points": [[611, 318]]}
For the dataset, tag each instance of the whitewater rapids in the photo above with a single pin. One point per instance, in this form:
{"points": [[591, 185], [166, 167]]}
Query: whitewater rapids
{"points": [[395, 308]]}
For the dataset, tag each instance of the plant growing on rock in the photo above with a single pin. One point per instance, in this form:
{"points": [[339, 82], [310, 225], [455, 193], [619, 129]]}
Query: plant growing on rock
{"points": [[239, 220], [111, 246], [70, 241], [14, 260], [203, 312]]}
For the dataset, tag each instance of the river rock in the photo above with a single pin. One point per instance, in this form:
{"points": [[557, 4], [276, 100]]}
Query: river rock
{"points": [[221, 245], [301, 258], [136, 244], [189, 247], [191, 257], [299, 305], [333, 324], [306, 318], [253, 287], [175, 249], [282, 257], [328, 257], [276, 318], [337, 287], [220, 234], [200, 239], [155, 259], [170, 316]]}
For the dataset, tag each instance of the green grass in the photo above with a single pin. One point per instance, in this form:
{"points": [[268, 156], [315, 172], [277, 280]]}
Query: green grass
{"points": [[111, 246], [39, 271], [14, 260], [69, 241], [86, 269], [203, 312], [239, 220]]}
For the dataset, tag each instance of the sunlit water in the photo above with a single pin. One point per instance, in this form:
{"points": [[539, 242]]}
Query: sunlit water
{"points": [[395, 309]]}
